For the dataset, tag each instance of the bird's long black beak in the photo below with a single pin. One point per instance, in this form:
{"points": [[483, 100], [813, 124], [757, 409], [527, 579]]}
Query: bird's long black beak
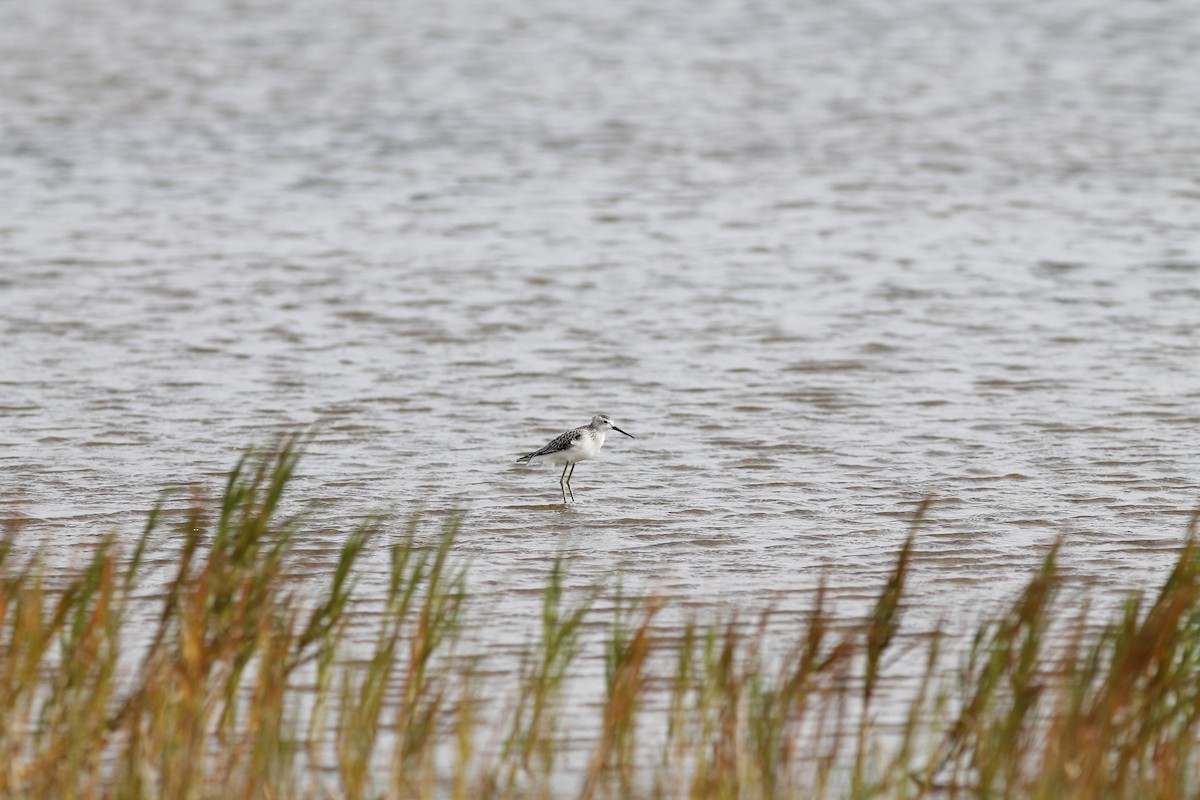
{"points": [[618, 430]]}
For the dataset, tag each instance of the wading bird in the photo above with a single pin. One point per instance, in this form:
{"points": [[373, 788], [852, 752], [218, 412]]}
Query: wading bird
{"points": [[578, 444]]}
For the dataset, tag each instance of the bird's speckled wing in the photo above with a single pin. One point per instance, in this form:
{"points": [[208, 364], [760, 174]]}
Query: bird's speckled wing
{"points": [[564, 441]]}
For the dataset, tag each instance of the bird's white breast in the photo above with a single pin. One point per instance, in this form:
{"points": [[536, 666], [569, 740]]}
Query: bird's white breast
{"points": [[588, 445]]}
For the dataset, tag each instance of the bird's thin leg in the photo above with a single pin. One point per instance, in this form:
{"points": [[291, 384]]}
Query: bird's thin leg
{"points": [[569, 482], [560, 484]]}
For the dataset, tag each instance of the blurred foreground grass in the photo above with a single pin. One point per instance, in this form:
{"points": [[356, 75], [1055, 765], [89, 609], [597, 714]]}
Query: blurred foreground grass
{"points": [[238, 688]]}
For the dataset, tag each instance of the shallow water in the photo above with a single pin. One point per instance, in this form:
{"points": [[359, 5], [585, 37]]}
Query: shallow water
{"points": [[823, 260]]}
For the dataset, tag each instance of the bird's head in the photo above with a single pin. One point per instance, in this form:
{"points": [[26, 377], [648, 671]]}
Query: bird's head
{"points": [[603, 422]]}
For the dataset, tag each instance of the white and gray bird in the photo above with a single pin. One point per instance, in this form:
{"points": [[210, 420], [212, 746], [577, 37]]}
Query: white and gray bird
{"points": [[578, 444]]}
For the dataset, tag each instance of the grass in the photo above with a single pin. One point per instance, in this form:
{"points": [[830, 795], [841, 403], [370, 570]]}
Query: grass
{"points": [[224, 681]]}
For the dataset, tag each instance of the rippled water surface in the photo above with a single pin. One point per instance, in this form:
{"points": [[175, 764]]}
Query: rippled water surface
{"points": [[822, 259]]}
